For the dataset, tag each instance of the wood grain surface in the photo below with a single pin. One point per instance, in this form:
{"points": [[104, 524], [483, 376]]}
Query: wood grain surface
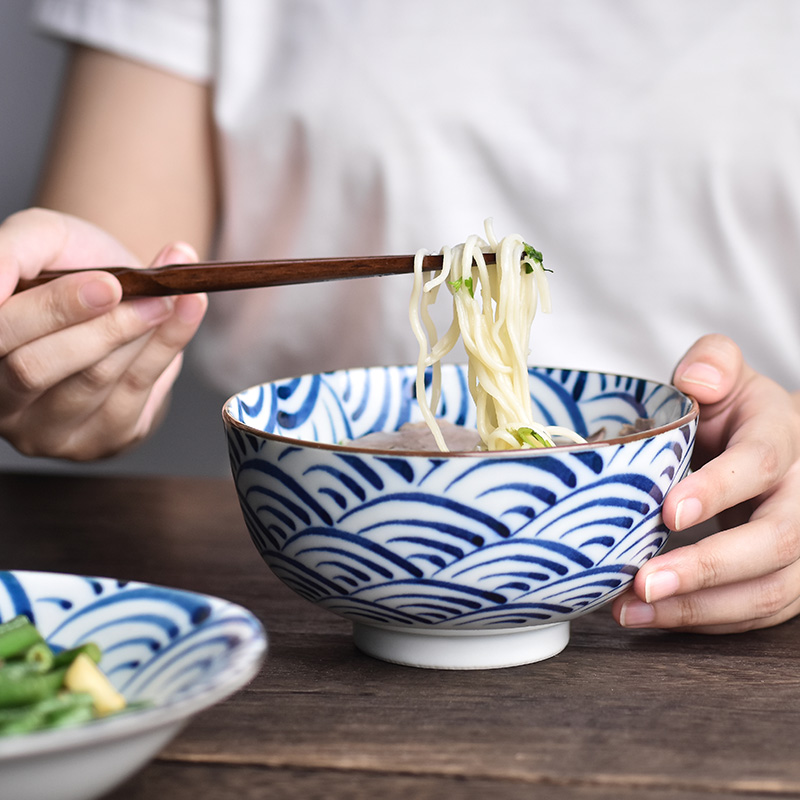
{"points": [[618, 714]]}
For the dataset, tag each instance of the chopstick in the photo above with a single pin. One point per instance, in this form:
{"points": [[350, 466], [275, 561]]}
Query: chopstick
{"points": [[220, 276]]}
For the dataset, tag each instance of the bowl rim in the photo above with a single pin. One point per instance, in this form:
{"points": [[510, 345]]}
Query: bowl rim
{"points": [[686, 419], [140, 721]]}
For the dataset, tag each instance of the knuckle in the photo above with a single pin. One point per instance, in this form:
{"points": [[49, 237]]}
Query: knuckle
{"points": [[142, 375], [709, 566], [36, 216], [98, 376], [769, 459], [55, 308], [122, 326], [114, 330], [136, 383], [6, 337], [40, 441], [25, 373], [786, 532], [25, 445], [69, 445], [771, 596], [689, 612], [104, 435]]}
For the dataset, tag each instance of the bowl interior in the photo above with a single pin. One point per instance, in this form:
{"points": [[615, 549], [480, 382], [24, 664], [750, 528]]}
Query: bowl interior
{"points": [[333, 407]]}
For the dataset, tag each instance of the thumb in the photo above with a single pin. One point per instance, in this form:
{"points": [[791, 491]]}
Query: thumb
{"points": [[710, 369]]}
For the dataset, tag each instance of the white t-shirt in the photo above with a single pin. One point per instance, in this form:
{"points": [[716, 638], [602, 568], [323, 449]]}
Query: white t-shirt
{"points": [[650, 150]]}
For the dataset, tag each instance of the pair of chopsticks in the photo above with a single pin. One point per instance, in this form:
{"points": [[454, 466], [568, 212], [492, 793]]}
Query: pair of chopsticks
{"points": [[220, 276]]}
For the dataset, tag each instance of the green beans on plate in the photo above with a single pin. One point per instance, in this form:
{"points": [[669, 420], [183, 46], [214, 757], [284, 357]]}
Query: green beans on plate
{"points": [[41, 689]]}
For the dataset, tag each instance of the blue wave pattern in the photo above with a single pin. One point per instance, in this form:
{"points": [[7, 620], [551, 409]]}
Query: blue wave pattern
{"points": [[161, 645], [492, 541]]}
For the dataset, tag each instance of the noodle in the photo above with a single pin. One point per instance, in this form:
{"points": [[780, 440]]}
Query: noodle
{"points": [[493, 311]]}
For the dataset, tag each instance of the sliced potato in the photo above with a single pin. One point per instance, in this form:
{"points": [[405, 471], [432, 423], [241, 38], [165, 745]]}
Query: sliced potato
{"points": [[84, 675]]}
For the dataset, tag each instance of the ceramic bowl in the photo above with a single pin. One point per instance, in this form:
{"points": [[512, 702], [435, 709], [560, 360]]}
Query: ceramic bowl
{"points": [[180, 652], [461, 560]]}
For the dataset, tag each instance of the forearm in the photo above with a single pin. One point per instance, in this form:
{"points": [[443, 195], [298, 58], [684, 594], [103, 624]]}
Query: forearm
{"points": [[132, 152]]}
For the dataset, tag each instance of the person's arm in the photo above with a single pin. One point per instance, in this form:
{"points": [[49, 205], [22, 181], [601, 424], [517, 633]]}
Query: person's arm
{"points": [[747, 456], [133, 152], [130, 175]]}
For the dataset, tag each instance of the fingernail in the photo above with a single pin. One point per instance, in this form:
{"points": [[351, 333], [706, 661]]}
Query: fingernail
{"points": [[154, 309], [701, 374], [659, 585], [636, 613], [181, 251], [97, 294], [687, 513]]}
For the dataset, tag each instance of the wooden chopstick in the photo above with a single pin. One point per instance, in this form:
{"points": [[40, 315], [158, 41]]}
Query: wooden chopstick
{"points": [[220, 276]]}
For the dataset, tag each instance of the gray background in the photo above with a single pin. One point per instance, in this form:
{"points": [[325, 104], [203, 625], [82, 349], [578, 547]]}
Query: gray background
{"points": [[191, 441]]}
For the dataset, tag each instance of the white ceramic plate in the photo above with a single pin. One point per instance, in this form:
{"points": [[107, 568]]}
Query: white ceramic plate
{"points": [[179, 651]]}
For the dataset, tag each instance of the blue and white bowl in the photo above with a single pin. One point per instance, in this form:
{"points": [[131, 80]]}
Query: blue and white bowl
{"points": [[178, 652], [459, 560]]}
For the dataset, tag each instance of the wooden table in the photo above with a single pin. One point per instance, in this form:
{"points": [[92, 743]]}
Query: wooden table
{"points": [[618, 714]]}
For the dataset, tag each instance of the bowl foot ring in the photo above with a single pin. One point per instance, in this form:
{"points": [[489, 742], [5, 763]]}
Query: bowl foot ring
{"points": [[463, 649]]}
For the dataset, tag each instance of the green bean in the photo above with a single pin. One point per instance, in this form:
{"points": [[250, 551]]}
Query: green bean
{"points": [[19, 621], [17, 670], [60, 701], [65, 708], [75, 708], [20, 720], [17, 635], [34, 692], [41, 656], [18, 688], [66, 657]]}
